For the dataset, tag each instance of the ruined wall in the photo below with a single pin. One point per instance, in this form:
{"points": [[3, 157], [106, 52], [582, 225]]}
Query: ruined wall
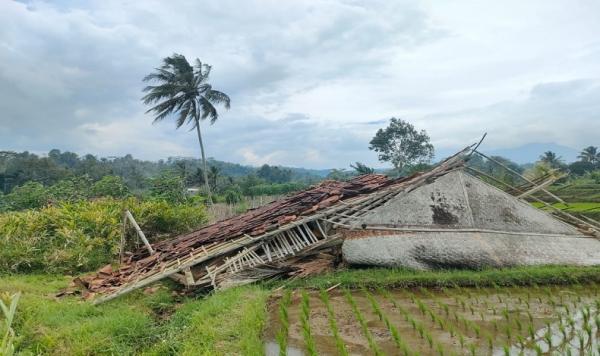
{"points": [[434, 250], [508, 231]]}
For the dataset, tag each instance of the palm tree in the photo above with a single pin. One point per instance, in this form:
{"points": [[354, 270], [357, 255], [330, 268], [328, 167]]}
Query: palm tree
{"points": [[183, 91], [362, 168], [590, 154], [551, 159]]}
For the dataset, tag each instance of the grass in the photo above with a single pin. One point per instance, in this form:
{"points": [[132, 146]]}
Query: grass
{"points": [[229, 322], [404, 278]]}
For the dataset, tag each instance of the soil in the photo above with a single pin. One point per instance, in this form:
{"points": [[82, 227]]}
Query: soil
{"points": [[539, 307]]}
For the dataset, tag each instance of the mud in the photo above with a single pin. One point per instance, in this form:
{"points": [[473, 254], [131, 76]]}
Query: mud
{"points": [[491, 321]]}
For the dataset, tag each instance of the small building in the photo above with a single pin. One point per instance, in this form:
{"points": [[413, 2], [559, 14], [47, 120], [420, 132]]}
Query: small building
{"points": [[447, 217]]}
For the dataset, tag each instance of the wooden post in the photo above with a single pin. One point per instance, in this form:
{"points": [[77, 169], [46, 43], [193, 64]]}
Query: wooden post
{"points": [[189, 277], [122, 243], [139, 231]]}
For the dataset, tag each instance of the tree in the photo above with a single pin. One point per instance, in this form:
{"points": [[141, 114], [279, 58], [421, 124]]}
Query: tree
{"points": [[183, 90], [362, 168], [551, 159], [213, 176], [580, 167], [168, 187], [401, 144], [110, 186], [590, 154]]}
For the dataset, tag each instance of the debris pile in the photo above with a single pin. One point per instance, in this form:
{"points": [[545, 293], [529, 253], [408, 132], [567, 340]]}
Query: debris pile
{"points": [[253, 223]]}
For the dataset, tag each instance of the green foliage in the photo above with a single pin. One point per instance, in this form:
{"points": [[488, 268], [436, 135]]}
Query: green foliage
{"points": [[401, 144], [362, 168], [339, 174], [168, 187], [581, 167], [84, 235], [552, 159], [225, 323], [110, 186], [233, 195], [590, 154], [70, 189], [275, 189], [31, 195], [8, 307], [274, 174]]}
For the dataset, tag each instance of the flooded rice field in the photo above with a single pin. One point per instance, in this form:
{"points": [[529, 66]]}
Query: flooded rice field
{"points": [[547, 320]]}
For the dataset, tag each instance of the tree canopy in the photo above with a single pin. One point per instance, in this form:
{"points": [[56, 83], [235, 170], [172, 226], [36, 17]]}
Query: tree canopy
{"points": [[402, 145]]}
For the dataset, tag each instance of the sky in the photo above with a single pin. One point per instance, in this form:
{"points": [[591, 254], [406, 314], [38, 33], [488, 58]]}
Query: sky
{"points": [[310, 81]]}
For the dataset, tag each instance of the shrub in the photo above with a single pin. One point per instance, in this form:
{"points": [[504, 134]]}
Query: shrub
{"points": [[82, 236], [168, 187], [233, 195], [73, 189], [30, 195], [110, 186]]}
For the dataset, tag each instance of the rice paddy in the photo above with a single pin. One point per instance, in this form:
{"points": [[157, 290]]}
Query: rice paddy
{"points": [[496, 320]]}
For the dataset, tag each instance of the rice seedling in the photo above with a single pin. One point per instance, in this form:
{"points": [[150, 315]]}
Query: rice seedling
{"points": [[402, 346], [282, 334], [305, 321], [339, 343], [363, 324]]}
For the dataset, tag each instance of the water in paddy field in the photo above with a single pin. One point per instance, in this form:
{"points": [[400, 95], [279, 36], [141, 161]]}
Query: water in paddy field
{"points": [[554, 320]]}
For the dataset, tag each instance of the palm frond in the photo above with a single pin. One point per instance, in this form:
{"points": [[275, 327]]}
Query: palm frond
{"points": [[208, 110], [217, 97]]}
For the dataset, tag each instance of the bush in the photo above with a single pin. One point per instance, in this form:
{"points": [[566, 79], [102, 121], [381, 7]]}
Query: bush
{"points": [[168, 187], [82, 236], [233, 195], [73, 189], [110, 186], [30, 195]]}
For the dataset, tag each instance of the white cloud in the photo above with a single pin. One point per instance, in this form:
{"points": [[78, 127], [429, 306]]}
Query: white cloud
{"points": [[305, 77]]}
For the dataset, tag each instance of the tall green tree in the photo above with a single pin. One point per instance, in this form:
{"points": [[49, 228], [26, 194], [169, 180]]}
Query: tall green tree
{"points": [[590, 154], [551, 159], [402, 145], [183, 92]]}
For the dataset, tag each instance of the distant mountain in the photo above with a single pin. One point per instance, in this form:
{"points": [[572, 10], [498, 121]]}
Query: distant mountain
{"points": [[531, 152]]}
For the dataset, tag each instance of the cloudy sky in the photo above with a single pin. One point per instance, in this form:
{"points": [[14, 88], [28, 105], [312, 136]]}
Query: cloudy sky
{"points": [[310, 81]]}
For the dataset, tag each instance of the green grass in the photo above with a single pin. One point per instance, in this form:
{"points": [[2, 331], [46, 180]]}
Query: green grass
{"points": [[574, 207], [226, 322], [229, 322], [404, 278]]}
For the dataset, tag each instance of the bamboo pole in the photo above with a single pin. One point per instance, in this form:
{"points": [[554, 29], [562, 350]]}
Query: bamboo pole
{"points": [[139, 231], [519, 175]]}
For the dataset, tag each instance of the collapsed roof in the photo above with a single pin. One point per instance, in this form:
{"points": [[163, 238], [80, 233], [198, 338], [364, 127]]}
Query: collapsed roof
{"points": [[274, 238]]}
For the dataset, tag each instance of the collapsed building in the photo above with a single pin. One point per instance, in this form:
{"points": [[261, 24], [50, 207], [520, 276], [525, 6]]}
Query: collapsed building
{"points": [[448, 217]]}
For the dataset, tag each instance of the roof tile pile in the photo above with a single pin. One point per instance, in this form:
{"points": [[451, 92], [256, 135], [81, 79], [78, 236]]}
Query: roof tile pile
{"points": [[253, 223]]}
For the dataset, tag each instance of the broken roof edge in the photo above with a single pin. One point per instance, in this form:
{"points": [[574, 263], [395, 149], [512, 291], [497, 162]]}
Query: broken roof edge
{"points": [[327, 214]]}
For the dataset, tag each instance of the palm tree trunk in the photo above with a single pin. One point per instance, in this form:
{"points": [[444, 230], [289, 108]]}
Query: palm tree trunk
{"points": [[204, 170]]}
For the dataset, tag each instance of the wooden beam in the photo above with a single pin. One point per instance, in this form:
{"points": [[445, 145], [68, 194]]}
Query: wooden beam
{"points": [[139, 231]]}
